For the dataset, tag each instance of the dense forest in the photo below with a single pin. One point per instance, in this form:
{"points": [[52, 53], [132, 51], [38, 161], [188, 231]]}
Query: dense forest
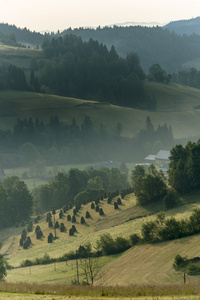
{"points": [[185, 27], [153, 45], [36, 144], [88, 70]]}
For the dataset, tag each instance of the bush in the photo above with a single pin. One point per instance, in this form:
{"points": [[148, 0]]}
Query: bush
{"points": [[74, 228], [50, 238], [134, 239], [115, 205], [119, 201], [30, 227], [170, 199], [71, 232], [92, 205], [73, 219], [23, 235], [39, 234], [82, 220], [37, 228], [65, 208], [87, 215], [68, 218], [74, 211], [109, 200], [57, 224], [50, 224], [97, 208], [101, 213], [48, 217], [62, 227], [60, 214]]}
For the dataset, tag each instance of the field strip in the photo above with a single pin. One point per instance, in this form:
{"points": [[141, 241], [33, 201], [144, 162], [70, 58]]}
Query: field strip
{"points": [[57, 297]]}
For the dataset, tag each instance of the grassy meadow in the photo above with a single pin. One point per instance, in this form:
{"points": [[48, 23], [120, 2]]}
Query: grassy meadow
{"points": [[142, 264], [178, 106], [20, 57]]}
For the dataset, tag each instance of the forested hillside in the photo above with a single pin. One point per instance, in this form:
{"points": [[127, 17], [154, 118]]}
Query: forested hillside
{"points": [[152, 45], [187, 27]]}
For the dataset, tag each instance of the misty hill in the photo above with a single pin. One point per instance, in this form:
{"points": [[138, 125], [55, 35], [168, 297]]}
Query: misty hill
{"points": [[152, 44], [188, 27], [24, 35]]}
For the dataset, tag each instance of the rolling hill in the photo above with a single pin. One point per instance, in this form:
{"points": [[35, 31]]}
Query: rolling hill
{"points": [[142, 264], [177, 106]]}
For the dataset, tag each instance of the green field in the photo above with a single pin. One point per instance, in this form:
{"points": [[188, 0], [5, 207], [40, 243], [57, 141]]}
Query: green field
{"points": [[142, 264], [20, 57], [177, 106]]}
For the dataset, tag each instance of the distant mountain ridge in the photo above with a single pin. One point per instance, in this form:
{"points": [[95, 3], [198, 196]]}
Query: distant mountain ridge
{"points": [[187, 27], [173, 46]]}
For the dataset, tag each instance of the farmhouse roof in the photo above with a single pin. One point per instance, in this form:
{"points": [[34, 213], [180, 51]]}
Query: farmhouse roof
{"points": [[150, 157], [163, 154]]}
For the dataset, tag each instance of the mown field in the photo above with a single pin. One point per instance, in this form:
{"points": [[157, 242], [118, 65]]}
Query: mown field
{"points": [[142, 264]]}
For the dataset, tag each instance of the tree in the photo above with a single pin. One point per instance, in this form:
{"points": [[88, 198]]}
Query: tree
{"points": [[152, 187], [89, 264], [180, 265], [158, 74], [3, 272], [16, 202]]}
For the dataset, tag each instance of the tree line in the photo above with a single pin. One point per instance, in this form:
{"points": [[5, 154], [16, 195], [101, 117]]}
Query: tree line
{"points": [[78, 187], [35, 143], [88, 70], [184, 167]]}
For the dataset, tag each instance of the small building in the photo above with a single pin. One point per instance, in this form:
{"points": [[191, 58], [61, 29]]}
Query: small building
{"points": [[161, 159]]}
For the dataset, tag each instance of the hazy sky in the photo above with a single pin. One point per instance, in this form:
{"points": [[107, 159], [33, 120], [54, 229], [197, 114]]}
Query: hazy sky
{"points": [[41, 15]]}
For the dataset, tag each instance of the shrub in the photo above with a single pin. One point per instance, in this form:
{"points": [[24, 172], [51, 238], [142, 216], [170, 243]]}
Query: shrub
{"points": [[87, 215], [74, 228], [97, 208], [50, 224], [82, 220], [92, 205], [62, 227], [57, 224], [60, 214], [50, 238], [21, 242], [39, 234], [109, 200], [115, 205], [37, 228], [30, 226], [48, 217], [96, 200], [23, 235], [73, 219], [170, 199], [101, 213], [68, 218], [29, 240], [134, 239], [71, 232], [74, 211], [119, 201], [65, 208]]}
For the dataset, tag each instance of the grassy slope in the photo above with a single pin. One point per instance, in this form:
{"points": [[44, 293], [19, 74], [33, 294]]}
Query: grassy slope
{"points": [[141, 264], [177, 106], [21, 57]]}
